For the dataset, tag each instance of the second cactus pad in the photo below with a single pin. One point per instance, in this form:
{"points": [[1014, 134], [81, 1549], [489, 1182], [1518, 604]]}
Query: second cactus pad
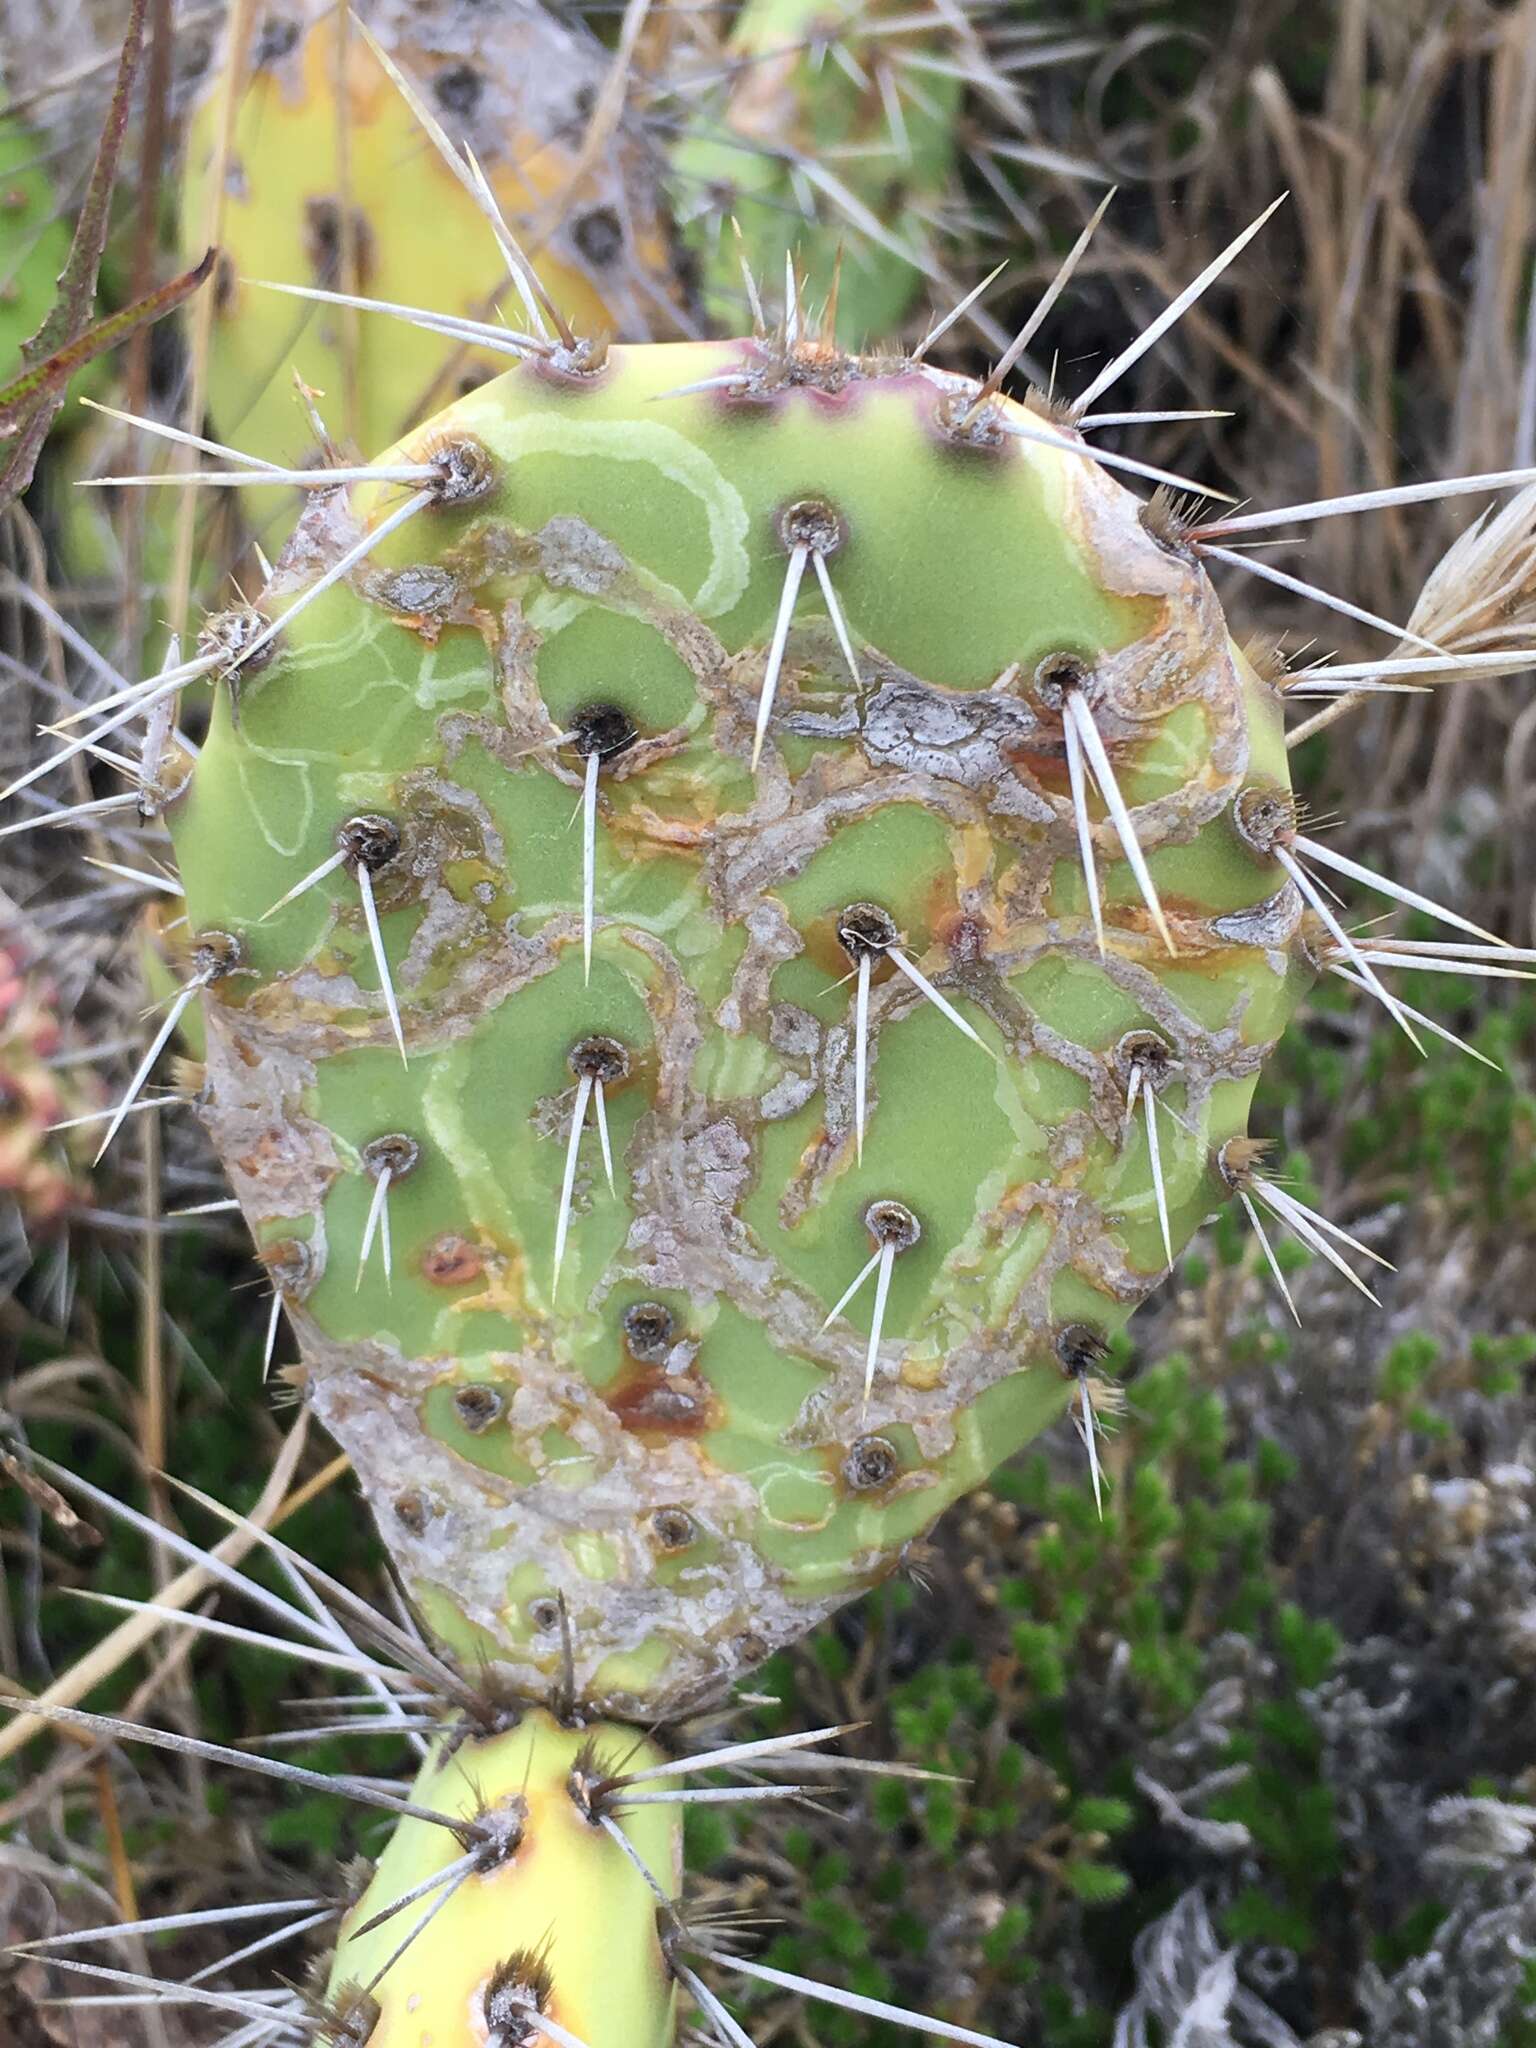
{"points": [[848, 1016]]}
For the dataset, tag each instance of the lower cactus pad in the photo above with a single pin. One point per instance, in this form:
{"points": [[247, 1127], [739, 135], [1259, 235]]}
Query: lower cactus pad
{"points": [[533, 1908]]}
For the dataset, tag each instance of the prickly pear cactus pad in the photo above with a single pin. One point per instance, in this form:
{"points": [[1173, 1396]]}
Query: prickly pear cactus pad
{"points": [[529, 1801], [667, 1265], [34, 238]]}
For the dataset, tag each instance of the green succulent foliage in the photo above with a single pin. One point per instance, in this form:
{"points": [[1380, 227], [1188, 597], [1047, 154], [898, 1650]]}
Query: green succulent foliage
{"points": [[1465, 1128], [839, 128], [1077, 1648], [686, 1434]]}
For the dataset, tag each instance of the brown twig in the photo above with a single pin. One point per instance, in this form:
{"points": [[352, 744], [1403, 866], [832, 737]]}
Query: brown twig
{"points": [[77, 282]]}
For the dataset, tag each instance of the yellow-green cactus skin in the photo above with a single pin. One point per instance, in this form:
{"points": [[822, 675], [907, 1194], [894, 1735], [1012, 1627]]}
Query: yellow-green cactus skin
{"points": [[626, 1474], [551, 1916], [323, 143]]}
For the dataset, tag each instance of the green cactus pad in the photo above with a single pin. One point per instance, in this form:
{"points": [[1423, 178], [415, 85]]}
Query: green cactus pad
{"points": [[34, 240], [673, 1447]]}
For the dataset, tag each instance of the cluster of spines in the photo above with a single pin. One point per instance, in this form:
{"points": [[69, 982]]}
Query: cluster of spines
{"points": [[1267, 819], [896, 100]]}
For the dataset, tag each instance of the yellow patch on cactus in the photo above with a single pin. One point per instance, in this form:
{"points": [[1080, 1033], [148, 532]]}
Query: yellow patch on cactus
{"points": [[555, 1918], [325, 146]]}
